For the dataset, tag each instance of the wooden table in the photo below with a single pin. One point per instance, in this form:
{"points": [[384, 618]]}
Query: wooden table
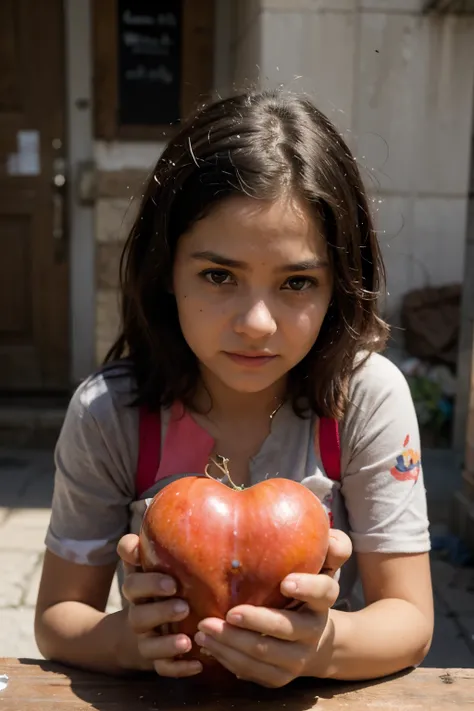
{"points": [[39, 686]]}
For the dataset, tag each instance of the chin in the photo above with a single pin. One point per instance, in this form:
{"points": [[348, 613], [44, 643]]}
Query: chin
{"points": [[241, 381], [250, 385], [249, 388]]}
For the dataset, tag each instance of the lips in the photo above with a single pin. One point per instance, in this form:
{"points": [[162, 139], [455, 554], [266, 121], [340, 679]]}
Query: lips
{"points": [[251, 360]]}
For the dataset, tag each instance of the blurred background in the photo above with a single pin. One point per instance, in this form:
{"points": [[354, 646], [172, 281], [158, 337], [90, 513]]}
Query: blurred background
{"points": [[90, 90]]}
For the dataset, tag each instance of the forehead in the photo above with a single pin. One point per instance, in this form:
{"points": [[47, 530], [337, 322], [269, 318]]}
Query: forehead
{"points": [[241, 227]]}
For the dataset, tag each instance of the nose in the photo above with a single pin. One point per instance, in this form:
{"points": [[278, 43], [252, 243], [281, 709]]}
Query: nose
{"points": [[256, 321]]}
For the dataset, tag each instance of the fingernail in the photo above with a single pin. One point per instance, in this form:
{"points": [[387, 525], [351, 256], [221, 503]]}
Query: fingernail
{"points": [[167, 585], [179, 607], [234, 618], [183, 644], [290, 586], [200, 638]]}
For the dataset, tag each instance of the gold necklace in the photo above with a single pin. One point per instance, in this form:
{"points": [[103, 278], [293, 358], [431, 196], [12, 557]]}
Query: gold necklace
{"points": [[276, 410]]}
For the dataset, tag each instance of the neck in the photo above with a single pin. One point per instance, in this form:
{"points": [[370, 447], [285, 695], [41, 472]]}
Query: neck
{"points": [[231, 404]]}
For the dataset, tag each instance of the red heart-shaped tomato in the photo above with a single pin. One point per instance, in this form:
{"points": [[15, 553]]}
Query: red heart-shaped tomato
{"points": [[226, 546]]}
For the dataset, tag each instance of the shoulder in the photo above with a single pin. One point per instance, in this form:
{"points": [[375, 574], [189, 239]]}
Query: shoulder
{"points": [[101, 416], [105, 392], [99, 436], [376, 378], [379, 399]]}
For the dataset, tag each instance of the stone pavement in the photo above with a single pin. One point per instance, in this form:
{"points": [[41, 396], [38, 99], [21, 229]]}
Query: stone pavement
{"points": [[26, 482], [26, 486]]}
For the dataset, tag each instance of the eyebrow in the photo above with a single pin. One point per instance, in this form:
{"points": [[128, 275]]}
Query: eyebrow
{"points": [[304, 266]]}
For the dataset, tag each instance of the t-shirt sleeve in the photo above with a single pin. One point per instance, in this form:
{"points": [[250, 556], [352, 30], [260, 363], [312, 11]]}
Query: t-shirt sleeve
{"points": [[382, 482], [90, 506]]}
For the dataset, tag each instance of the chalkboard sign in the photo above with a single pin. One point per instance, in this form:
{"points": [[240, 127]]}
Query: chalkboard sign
{"points": [[149, 62]]}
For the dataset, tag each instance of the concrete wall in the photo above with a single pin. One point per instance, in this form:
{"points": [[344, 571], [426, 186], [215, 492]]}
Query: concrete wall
{"points": [[246, 43]]}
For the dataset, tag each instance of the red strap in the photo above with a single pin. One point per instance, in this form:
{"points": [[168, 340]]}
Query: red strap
{"points": [[149, 449], [330, 447]]}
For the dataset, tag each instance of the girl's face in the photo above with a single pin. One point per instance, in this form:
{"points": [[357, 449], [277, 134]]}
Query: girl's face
{"points": [[252, 283]]}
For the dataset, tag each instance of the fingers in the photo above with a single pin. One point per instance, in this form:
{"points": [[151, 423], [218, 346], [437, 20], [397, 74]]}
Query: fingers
{"points": [[143, 619], [166, 647], [162, 652], [177, 668], [266, 661], [145, 586], [319, 592], [339, 552], [127, 548], [257, 644], [280, 624]]}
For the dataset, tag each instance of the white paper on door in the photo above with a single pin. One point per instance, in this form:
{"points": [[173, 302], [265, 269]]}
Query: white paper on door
{"points": [[26, 161]]}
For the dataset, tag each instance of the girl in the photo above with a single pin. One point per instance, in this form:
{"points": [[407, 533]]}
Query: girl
{"points": [[250, 333]]}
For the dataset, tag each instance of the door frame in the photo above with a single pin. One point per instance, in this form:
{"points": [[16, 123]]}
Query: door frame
{"points": [[80, 142]]}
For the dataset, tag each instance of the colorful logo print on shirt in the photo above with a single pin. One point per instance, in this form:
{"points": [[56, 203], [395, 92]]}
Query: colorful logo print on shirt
{"points": [[408, 464]]}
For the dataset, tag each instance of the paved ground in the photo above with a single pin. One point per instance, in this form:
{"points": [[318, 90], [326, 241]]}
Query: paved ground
{"points": [[26, 481]]}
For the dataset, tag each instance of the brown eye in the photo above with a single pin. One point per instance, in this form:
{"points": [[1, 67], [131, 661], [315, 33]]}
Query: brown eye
{"points": [[299, 283], [218, 277]]}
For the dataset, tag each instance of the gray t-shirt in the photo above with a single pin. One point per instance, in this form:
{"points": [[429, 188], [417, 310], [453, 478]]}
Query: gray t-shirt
{"points": [[380, 500]]}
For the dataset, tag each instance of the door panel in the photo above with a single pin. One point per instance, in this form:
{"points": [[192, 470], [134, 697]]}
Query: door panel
{"points": [[34, 304]]}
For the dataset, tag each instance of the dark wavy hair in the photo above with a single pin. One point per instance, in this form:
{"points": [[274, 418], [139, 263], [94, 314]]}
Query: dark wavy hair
{"points": [[258, 144]]}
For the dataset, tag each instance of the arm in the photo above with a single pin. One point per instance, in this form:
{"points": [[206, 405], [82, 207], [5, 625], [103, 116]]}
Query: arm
{"points": [[385, 497], [89, 514], [392, 633], [71, 625]]}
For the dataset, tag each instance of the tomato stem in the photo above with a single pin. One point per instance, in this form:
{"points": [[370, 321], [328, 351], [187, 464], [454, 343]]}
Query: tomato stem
{"points": [[224, 468]]}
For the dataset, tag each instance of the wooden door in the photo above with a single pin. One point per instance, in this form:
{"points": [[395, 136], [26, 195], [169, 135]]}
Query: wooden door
{"points": [[34, 306]]}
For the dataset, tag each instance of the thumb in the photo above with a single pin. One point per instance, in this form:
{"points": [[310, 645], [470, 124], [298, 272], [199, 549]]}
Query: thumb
{"points": [[128, 550], [339, 552]]}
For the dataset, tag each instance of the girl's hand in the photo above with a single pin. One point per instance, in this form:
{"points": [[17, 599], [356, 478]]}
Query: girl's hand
{"points": [[273, 647], [151, 606]]}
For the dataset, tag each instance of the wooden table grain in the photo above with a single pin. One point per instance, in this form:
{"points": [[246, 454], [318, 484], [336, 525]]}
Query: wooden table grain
{"points": [[41, 686]]}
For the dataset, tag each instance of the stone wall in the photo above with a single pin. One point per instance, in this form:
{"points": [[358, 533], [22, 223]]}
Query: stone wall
{"points": [[118, 192]]}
